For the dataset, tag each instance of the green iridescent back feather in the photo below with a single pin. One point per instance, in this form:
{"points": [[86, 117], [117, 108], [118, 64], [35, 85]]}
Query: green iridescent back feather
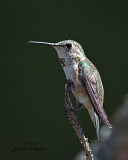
{"points": [[91, 69]]}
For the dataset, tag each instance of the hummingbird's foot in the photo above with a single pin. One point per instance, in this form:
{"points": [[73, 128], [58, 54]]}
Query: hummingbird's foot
{"points": [[78, 107], [70, 83], [71, 109], [74, 109]]}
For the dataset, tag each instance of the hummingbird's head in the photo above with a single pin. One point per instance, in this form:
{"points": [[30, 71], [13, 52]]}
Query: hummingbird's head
{"points": [[69, 51]]}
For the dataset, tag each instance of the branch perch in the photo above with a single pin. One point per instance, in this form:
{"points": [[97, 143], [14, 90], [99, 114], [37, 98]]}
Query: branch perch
{"points": [[74, 122]]}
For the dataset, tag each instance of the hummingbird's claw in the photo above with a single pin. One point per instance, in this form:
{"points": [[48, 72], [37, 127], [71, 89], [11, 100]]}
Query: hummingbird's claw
{"points": [[70, 83]]}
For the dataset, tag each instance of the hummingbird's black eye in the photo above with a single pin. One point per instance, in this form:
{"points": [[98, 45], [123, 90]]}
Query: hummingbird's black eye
{"points": [[69, 45]]}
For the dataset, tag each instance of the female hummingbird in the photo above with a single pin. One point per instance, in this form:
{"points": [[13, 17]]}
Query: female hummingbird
{"points": [[87, 85]]}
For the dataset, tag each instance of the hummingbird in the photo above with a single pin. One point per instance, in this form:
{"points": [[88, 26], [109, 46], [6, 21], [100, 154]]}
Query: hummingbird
{"points": [[87, 85]]}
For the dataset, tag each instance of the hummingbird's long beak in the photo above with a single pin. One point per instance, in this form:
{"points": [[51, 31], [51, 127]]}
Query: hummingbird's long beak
{"points": [[45, 43]]}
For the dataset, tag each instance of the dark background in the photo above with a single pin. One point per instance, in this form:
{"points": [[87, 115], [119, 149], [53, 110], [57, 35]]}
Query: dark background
{"points": [[32, 80]]}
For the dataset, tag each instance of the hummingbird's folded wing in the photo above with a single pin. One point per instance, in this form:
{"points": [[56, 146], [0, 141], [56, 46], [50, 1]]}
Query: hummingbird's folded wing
{"points": [[90, 83]]}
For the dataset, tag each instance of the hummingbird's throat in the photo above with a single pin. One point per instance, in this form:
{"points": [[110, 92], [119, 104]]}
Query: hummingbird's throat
{"points": [[74, 60], [63, 63], [68, 58]]}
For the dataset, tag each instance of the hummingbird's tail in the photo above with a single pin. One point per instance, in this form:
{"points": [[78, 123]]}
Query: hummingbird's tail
{"points": [[95, 119], [103, 116]]}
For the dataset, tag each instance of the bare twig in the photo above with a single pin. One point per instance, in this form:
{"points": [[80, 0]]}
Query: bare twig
{"points": [[74, 122]]}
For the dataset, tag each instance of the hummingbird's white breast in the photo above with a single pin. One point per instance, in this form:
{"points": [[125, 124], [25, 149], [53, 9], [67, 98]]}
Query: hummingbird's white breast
{"points": [[70, 71]]}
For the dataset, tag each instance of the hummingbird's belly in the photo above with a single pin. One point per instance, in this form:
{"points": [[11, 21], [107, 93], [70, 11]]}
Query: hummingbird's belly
{"points": [[80, 94], [79, 91]]}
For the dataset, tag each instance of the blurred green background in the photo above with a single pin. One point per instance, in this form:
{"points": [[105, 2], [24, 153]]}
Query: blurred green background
{"points": [[32, 80]]}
